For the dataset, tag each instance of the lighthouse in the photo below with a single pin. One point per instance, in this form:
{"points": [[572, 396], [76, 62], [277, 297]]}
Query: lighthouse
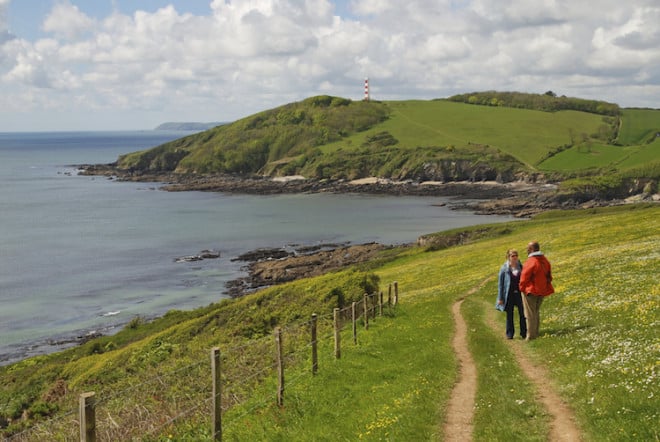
{"points": [[366, 89]]}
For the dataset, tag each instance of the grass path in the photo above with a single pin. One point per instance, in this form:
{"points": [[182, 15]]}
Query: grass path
{"points": [[562, 425], [458, 424]]}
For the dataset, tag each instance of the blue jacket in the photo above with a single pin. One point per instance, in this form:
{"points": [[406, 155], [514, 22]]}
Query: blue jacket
{"points": [[503, 285]]}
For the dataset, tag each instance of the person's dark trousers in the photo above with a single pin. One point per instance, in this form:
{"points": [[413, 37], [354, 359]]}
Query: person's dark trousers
{"points": [[515, 300]]}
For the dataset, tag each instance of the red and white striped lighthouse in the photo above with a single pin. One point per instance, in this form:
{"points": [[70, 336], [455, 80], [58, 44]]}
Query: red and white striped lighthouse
{"points": [[366, 89]]}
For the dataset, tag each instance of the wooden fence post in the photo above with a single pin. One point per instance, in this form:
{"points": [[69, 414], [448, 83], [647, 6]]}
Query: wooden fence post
{"points": [[337, 333], [87, 417], [315, 359], [389, 295], [354, 320], [280, 367], [380, 303], [366, 311], [396, 293], [217, 394]]}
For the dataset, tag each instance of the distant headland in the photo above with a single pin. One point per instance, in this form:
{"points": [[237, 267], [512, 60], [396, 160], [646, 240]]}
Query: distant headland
{"points": [[188, 126]]}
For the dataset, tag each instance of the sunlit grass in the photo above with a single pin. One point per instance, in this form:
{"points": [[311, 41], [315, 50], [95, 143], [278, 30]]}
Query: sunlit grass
{"points": [[506, 408], [637, 125], [391, 386], [599, 344], [524, 134], [598, 333]]}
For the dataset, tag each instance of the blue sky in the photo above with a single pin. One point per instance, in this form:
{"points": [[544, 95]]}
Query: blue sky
{"points": [[23, 14], [122, 64]]}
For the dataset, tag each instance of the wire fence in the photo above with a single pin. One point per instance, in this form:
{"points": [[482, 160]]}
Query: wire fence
{"points": [[201, 391]]}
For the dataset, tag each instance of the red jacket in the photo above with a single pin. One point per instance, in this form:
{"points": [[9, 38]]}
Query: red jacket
{"points": [[536, 276]]}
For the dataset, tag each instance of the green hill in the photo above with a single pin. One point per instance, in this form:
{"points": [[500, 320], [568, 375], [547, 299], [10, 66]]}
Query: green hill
{"points": [[526, 135], [513, 136], [639, 126], [598, 343], [636, 146]]}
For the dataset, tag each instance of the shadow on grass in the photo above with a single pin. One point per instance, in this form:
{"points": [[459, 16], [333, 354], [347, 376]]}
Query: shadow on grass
{"points": [[559, 332]]}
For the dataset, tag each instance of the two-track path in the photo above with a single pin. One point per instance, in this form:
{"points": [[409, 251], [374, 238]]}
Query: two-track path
{"points": [[458, 423]]}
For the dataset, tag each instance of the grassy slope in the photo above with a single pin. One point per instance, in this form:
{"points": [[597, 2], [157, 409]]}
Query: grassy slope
{"points": [[638, 147], [287, 139], [638, 125], [525, 134], [599, 342], [598, 156]]}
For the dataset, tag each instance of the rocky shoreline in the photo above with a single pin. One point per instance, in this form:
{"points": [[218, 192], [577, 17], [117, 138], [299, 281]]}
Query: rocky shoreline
{"points": [[518, 198], [274, 266]]}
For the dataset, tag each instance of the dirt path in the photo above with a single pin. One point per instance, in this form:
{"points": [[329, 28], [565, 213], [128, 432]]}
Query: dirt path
{"points": [[458, 425], [562, 425], [460, 412]]}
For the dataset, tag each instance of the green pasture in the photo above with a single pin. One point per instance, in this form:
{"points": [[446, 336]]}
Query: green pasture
{"points": [[525, 134], [599, 156], [638, 126], [638, 146], [642, 156]]}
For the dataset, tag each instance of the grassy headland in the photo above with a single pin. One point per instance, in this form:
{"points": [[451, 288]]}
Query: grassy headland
{"points": [[598, 342], [488, 136]]}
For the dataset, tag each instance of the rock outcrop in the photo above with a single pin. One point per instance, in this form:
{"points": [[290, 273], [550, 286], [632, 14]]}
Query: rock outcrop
{"points": [[269, 270]]}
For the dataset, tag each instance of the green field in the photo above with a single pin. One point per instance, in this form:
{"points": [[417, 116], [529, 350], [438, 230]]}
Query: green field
{"points": [[638, 126], [639, 147], [525, 134], [597, 156]]}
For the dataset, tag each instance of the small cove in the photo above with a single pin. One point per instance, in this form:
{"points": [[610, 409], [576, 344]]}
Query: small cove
{"points": [[86, 254]]}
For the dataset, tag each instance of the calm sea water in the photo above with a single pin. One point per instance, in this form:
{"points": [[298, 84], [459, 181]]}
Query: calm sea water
{"points": [[83, 254]]}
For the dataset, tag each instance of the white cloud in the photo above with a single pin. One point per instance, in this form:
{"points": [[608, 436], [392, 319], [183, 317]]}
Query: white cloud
{"points": [[66, 20], [249, 55]]}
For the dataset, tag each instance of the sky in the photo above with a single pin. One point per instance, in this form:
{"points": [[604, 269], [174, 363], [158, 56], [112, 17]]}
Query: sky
{"points": [[132, 65]]}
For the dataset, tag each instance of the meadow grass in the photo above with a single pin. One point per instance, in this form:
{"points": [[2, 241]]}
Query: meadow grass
{"points": [[642, 156], [598, 156], [390, 386], [598, 341], [506, 407], [526, 135], [601, 337], [637, 125]]}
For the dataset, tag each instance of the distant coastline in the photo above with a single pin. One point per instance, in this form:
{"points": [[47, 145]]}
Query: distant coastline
{"points": [[188, 126]]}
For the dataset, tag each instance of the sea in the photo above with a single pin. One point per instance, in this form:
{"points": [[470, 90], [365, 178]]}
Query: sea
{"points": [[83, 255]]}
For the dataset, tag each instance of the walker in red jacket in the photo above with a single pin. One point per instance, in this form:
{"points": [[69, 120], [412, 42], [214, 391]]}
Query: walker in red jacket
{"points": [[535, 284]]}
